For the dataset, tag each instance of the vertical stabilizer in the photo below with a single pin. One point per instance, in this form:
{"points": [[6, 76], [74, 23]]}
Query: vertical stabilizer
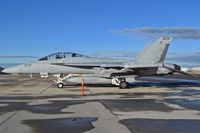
{"points": [[154, 53]]}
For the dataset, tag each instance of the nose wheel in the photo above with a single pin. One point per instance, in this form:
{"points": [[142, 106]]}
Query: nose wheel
{"points": [[60, 85]]}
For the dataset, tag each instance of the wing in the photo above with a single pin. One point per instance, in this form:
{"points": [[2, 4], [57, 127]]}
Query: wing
{"points": [[91, 65], [136, 71], [116, 70]]}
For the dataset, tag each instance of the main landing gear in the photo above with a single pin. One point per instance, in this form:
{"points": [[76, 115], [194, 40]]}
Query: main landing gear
{"points": [[123, 85]]}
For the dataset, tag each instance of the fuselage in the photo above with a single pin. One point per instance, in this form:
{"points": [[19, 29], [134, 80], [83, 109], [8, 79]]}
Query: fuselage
{"points": [[68, 64], [72, 63]]}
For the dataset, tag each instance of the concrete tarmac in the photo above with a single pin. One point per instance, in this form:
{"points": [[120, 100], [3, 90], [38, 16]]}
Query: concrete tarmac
{"points": [[36, 106]]}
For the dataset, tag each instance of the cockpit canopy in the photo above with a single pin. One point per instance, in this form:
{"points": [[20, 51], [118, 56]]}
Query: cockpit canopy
{"points": [[61, 56]]}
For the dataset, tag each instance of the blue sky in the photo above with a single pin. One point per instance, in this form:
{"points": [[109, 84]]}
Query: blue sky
{"points": [[41, 27]]}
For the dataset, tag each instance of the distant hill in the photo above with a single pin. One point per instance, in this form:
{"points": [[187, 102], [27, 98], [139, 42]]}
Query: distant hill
{"points": [[1, 68], [6, 65]]}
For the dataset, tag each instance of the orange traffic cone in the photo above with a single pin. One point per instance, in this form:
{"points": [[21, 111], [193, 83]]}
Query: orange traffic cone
{"points": [[83, 89]]}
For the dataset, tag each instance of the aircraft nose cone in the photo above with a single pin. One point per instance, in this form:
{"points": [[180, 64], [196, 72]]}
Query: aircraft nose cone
{"points": [[10, 70], [7, 71], [4, 71]]}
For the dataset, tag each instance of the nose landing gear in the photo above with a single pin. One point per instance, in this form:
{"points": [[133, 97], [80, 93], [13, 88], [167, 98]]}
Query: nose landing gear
{"points": [[60, 85], [121, 82], [60, 78]]}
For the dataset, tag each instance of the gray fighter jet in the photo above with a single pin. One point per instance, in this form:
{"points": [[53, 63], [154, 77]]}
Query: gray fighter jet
{"points": [[66, 66]]}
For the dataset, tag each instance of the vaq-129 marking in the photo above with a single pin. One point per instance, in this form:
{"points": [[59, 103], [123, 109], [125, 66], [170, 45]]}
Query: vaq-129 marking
{"points": [[67, 66]]}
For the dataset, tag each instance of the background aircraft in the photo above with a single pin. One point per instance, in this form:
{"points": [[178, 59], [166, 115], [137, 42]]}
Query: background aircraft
{"points": [[66, 66]]}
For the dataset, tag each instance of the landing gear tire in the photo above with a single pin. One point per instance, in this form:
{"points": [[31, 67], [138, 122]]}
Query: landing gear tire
{"points": [[123, 85], [60, 85]]}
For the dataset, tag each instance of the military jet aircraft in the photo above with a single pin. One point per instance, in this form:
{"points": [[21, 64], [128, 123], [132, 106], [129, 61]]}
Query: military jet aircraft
{"points": [[66, 66]]}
